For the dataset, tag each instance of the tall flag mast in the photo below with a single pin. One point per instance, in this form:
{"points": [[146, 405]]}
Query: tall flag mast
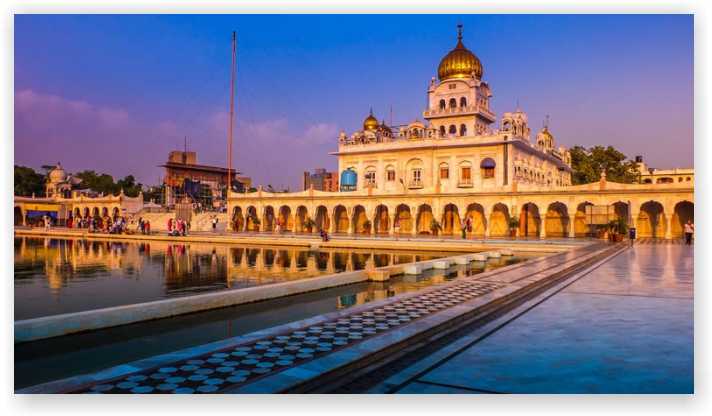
{"points": [[232, 114]]}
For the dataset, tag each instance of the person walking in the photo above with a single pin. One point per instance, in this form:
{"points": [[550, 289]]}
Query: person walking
{"points": [[463, 228], [689, 232], [147, 227], [215, 223]]}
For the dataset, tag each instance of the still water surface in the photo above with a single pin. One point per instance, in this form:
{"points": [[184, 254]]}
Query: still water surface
{"points": [[54, 276]]}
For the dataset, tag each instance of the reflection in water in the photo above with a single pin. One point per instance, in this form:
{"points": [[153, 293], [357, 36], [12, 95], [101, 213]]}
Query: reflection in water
{"points": [[55, 276], [56, 358]]}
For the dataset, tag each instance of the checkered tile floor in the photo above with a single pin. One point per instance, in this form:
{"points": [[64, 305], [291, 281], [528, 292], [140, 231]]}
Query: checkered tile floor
{"points": [[228, 368]]}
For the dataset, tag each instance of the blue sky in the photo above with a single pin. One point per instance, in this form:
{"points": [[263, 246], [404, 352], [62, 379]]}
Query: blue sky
{"points": [[116, 93]]}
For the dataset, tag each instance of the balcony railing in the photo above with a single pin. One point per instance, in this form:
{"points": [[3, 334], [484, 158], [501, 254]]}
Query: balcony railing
{"points": [[448, 111], [465, 183], [415, 184]]}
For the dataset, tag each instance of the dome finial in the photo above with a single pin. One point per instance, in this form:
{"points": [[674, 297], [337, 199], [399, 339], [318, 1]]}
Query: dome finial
{"points": [[459, 31]]}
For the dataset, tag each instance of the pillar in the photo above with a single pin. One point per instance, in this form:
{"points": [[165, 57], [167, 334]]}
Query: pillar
{"points": [[392, 224], [668, 226], [572, 230], [542, 229]]}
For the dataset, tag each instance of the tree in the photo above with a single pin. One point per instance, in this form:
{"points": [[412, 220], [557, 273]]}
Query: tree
{"points": [[28, 182], [587, 165]]}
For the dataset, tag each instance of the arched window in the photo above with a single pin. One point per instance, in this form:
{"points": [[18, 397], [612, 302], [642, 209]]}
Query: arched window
{"points": [[442, 131], [444, 171], [390, 173], [453, 103], [463, 102], [442, 104], [453, 129], [487, 167], [463, 130], [370, 176]]}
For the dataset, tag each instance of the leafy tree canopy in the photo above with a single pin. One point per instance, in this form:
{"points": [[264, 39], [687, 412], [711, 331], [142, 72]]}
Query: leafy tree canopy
{"points": [[587, 165], [105, 183], [28, 182]]}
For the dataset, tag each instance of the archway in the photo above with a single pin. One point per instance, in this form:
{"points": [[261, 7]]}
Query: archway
{"points": [[285, 220], [684, 211], [361, 224], [341, 219], [268, 218], [476, 214], [451, 220], [18, 216], [651, 220], [300, 220], [115, 213], [322, 218], [86, 212], [529, 220], [499, 221], [581, 227], [238, 221], [404, 221], [557, 220], [77, 213], [381, 222], [252, 220], [620, 210], [424, 220], [104, 212]]}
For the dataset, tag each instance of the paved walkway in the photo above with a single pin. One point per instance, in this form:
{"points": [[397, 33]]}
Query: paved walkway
{"points": [[627, 327], [274, 359]]}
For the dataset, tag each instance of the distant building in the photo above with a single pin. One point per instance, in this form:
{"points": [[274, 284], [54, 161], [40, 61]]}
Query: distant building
{"points": [[59, 183], [321, 180], [652, 175], [185, 178]]}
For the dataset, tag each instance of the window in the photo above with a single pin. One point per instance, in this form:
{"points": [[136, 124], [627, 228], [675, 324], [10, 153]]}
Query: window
{"points": [[463, 130], [391, 175], [487, 166], [442, 131], [370, 176], [463, 102], [416, 178], [453, 129], [452, 86], [444, 172], [466, 175], [453, 103], [442, 104]]}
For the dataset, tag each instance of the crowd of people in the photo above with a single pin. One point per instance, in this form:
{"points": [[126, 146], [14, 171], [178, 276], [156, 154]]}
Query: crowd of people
{"points": [[116, 225], [178, 227]]}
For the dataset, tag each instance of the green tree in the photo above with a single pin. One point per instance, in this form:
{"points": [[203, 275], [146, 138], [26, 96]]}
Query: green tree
{"points": [[28, 182], [129, 185], [587, 165]]}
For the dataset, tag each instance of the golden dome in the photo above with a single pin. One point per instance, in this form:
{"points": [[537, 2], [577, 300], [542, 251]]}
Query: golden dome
{"points": [[370, 123], [459, 62]]}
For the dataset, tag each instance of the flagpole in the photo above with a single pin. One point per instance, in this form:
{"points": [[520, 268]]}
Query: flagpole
{"points": [[232, 115]]}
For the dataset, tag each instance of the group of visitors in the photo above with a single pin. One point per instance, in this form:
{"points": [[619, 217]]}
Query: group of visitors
{"points": [[144, 226], [178, 227], [117, 225]]}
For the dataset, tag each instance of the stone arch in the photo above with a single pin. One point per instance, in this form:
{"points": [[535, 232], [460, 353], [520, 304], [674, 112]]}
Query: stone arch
{"points": [[104, 212], [300, 220], [341, 219], [581, 227], [268, 218], [381, 220], [115, 212], [404, 220], [529, 220], [557, 220], [95, 212], [424, 219], [451, 220], [651, 220], [251, 219], [620, 210], [322, 218], [452, 103], [499, 221], [285, 219], [463, 102], [77, 212], [238, 220], [683, 211], [361, 223], [442, 104], [478, 221]]}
